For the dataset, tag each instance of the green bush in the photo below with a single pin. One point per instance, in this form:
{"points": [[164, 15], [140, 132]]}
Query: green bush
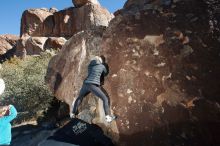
{"points": [[25, 86]]}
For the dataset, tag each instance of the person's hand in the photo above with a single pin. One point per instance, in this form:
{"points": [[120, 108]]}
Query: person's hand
{"points": [[1, 115], [5, 111]]}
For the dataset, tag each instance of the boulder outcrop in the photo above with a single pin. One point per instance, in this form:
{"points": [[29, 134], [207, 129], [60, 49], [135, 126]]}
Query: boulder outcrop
{"points": [[7, 42], [54, 43], [159, 74], [35, 45], [79, 3], [32, 21], [66, 70], [163, 73], [50, 23], [65, 23]]}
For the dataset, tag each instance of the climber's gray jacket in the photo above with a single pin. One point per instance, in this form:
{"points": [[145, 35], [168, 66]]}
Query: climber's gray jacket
{"points": [[95, 70]]}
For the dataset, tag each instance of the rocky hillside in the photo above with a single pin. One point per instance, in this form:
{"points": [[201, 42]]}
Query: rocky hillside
{"points": [[43, 29], [7, 46], [7, 42], [163, 81]]}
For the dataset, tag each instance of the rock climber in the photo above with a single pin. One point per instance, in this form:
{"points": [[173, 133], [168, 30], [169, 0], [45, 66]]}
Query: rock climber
{"points": [[96, 68]]}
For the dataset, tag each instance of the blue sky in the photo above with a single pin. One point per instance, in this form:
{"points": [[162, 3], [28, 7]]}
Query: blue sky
{"points": [[11, 10]]}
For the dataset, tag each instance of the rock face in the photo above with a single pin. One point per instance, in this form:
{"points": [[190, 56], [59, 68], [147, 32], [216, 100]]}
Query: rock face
{"points": [[135, 3], [64, 23], [54, 43], [32, 21], [161, 82], [7, 42], [35, 45], [147, 4], [79, 3], [20, 47], [70, 73], [68, 69], [7, 46], [163, 73], [67, 22]]}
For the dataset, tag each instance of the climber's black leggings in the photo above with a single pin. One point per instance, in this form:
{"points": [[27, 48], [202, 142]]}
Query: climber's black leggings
{"points": [[95, 89]]}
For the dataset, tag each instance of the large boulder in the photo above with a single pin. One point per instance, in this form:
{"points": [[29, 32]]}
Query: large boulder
{"points": [[50, 23], [7, 42], [35, 45], [163, 73], [32, 21], [67, 22], [37, 23], [79, 3], [162, 80], [5, 46], [55, 43], [67, 71]]}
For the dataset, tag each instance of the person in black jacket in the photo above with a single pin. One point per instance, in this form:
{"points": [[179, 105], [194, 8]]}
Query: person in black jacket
{"points": [[92, 83]]}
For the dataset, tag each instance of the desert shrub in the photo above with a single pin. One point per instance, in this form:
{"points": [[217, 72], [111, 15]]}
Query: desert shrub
{"points": [[25, 86]]}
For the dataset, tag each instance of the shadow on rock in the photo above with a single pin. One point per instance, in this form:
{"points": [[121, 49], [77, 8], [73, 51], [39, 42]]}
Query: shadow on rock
{"points": [[29, 135], [184, 134]]}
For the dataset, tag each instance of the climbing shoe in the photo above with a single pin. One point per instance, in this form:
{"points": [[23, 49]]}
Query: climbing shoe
{"points": [[110, 118]]}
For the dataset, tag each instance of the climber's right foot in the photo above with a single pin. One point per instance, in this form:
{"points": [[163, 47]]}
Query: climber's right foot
{"points": [[110, 118]]}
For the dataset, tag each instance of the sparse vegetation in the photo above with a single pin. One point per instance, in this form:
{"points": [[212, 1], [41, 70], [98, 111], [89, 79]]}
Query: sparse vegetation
{"points": [[25, 87]]}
